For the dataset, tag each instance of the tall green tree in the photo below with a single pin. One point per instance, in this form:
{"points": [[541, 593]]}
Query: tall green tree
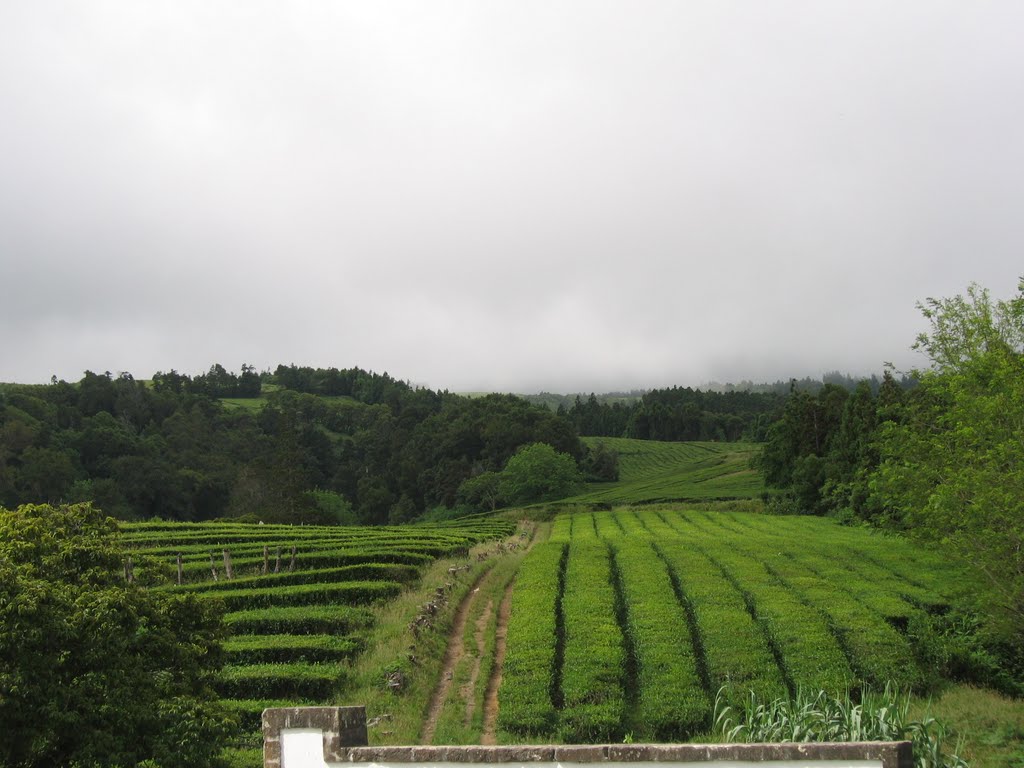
{"points": [[96, 671], [952, 465], [538, 472]]}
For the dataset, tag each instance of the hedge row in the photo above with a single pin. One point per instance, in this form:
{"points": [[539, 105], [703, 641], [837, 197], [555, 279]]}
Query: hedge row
{"points": [[878, 653], [526, 705], [910, 565], [672, 702], [864, 564], [811, 654], [355, 572], [265, 649], [594, 702], [345, 593], [280, 681], [302, 619], [738, 653]]}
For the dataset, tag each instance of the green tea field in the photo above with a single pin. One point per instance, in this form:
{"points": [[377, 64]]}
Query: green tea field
{"points": [[301, 601], [653, 471], [627, 623]]}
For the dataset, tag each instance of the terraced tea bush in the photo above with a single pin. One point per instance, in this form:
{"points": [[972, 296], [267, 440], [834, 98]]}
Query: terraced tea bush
{"points": [[346, 593], [372, 571], [280, 681], [264, 649], [302, 619]]}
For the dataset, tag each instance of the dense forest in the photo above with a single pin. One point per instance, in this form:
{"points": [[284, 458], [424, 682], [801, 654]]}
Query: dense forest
{"points": [[375, 450], [325, 444], [679, 413], [719, 412]]}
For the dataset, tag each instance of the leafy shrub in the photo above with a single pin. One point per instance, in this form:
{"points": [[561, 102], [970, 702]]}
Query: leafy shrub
{"points": [[953, 646], [822, 716]]}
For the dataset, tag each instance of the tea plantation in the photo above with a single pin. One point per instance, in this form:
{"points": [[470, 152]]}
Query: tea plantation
{"points": [[628, 622], [298, 598], [650, 470]]}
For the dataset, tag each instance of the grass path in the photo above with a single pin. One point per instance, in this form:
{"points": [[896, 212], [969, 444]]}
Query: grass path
{"points": [[464, 699], [453, 655], [489, 735]]}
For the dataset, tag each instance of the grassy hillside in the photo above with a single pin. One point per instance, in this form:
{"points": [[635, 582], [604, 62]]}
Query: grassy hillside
{"points": [[652, 471]]}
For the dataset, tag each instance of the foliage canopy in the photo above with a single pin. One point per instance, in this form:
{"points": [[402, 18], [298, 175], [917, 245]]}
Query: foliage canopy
{"points": [[952, 463], [96, 671]]}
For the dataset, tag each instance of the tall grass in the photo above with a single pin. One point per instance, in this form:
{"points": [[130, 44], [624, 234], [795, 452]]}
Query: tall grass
{"points": [[820, 716]]}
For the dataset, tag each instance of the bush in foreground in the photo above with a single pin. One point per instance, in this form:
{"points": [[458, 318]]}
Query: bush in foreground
{"points": [[96, 671]]}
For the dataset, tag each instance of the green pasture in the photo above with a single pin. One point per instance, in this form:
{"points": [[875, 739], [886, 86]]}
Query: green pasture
{"points": [[654, 471], [257, 403]]}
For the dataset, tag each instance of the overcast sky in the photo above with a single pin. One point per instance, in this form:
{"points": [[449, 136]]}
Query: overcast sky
{"points": [[513, 196]]}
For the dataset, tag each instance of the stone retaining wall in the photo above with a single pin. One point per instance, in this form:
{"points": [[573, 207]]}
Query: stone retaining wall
{"points": [[335, 737]]}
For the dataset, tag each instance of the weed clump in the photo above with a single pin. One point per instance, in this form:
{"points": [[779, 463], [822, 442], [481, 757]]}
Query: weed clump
{"points": [[820, 716]]}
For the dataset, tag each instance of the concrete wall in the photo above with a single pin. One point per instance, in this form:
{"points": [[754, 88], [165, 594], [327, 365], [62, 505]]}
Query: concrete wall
{"points": [[335, 737]]}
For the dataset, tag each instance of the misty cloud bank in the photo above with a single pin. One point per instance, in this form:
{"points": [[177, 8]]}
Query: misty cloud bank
{"points": [[513, 196]]}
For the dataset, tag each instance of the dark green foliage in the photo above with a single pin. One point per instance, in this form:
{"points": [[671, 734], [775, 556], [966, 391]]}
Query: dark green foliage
{"points": [[824, 448], [600, 463], [676, 414], [95, 671], [325, 447], [684, 414]]}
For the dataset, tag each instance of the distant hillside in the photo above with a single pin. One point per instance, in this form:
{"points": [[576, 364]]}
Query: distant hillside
{"points": [[652, 471]]}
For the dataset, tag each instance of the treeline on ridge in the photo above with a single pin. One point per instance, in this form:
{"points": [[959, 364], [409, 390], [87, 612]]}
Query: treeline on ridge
{"points": [[326, 445], [678, 414], [383, 452]]}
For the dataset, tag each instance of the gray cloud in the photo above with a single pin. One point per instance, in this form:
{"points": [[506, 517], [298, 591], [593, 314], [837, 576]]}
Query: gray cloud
{"points": [[507, 195]]}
